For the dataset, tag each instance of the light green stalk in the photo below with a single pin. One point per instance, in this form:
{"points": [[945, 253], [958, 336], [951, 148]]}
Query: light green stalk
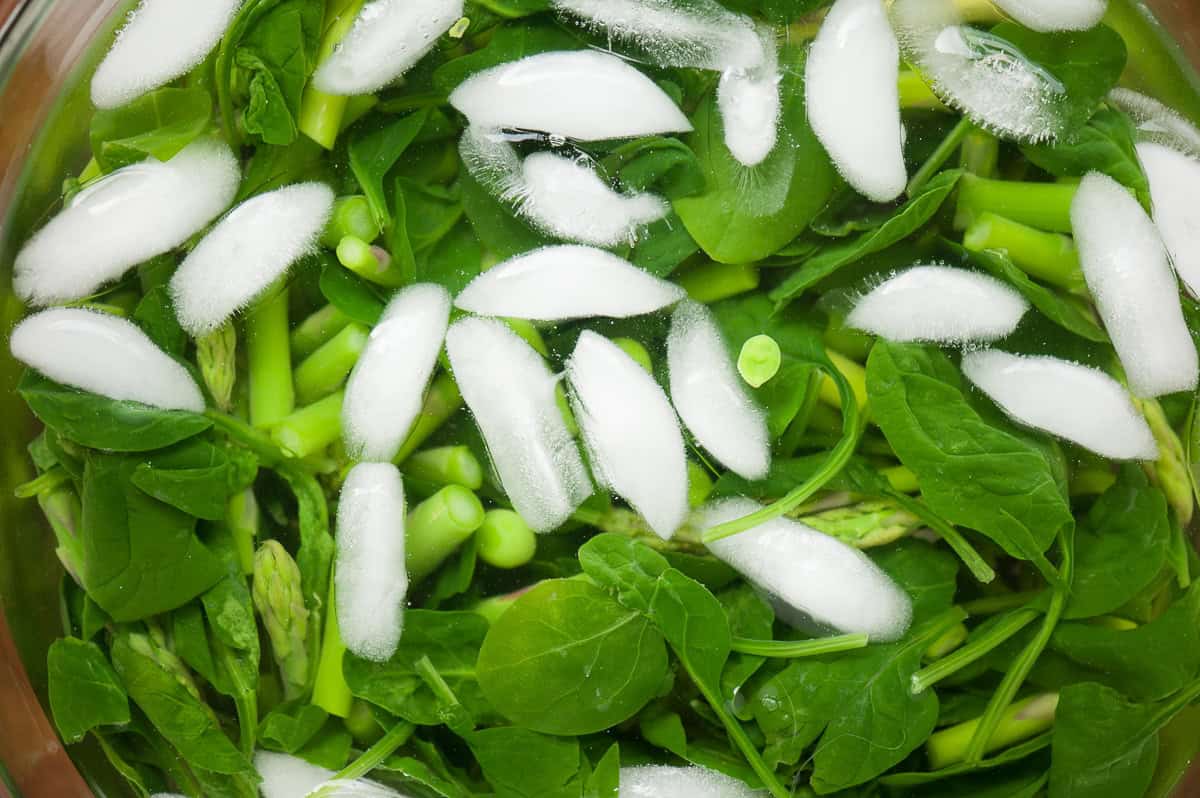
{"points": [[320, 113], [865, 525], [981, 153], [700, 484], [915, 92], [1020, 721], [1050, 257], [216, 354], [442, 400], [636, 351], [854, 373], [985, 640], [447, 465], [954, 637], [437, 527], [330, 691], [312, 333], [1046, 206], [371, 263], [272, 396], [279, 599], [1170, 471], [310, 429], [711, 282], [324, 371], [351, 216], [505, 540], [243, 517]]}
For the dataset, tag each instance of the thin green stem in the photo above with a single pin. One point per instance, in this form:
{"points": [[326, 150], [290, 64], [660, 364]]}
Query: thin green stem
{"points": [[944, 152], [795, 649], [711, 282], [438, 526], [981, 643], [375, 756], [1021, 721], [320, 113], [272, 395], [959, 544], [373, 264], [310, 429], [740, 739], [351, 216], [992, 605], [442, 400], [316, 330], [981, 153], [1050, 257], [326, 369], [1046, 206]]}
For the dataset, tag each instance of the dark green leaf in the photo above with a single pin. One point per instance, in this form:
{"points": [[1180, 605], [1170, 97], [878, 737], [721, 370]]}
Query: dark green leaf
{"points": [[1106, 145], [350, 294], [195, 477], [974, 471], [509, 43], [374, 150], [1104, 746], [908, 219], [156, 125], [606, 776], [290, 727], [567, 659], [494, 222], [748, 214], [102, 423], [524, 764], [279, 51], [84, 690], [155, 314]]}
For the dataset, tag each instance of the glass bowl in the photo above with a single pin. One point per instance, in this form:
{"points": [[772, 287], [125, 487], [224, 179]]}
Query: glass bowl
{"points": [[46, 47]]}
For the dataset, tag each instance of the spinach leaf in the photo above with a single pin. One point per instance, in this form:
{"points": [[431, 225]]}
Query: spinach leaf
{"points": [[663, 247], [520, 763], [278, 48], [84, 690], [195, 477], [1049, 303], [1121, 546], [861, 703], [289, 727], [230, 613], [508, 43], [494, 223], [664, 165], [142, 557], [350, 294], [156, 125], [974, 471], [162, 688], [98, 422], [1107, 144], [750, 616], [454, 261], [567, 659], [745, 215], [910, 218], [605, 781], [155, 314], [1147, 663], [375, 148], [451, 641], [1087, 64]]}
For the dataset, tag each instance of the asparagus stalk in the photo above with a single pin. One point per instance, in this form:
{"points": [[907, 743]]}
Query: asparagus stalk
{"points": [[326, 369], [1046, 206], [279, 599], [310, 429], [272, 396], [1050, 257], [437, 527], [315, 331]]}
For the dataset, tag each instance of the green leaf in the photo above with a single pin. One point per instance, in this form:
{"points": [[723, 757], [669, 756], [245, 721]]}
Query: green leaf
{"points": [[1107, 144], [162, 688], [156, 125], [98, 422], [657, 163], [278, 50], [974, 471], [375, 149], [567, 659], [142, 557], [1051, 304], [451, 640], [84, 690], [289, 727], [454, 261], [748, 214], [524, 764], [1104, 746], [751, 617], [350, 294], [605, 781], [508, 43], [195, 477], [155, 314], [494, 223], [1121, 547], [908, 219]]}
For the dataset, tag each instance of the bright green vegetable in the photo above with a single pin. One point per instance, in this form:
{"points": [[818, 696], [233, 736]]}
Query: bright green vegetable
{"points": [[279, 599], [322, 372], [505, 540], [438, 526]]}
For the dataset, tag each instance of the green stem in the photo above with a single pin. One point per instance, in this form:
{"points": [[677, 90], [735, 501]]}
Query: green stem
{"points": [[1020, 668], [901, 479], [326, 369], [316, 330], [310, 429], [855, 375], [1021, 721], [437, 527], [1046, 206], [959, 544], [637, 351], [447, 465], [740, 739], [992, 605], [43, 483], [272, 396], [242, 518], [981, 643], [837, 460], [981, 153], [1050, 257], [442, 401], [351, 216], [375, 756], [794, 649], [320, 113], [711, 282], [373, 264], [330, 691], [940, 156]]}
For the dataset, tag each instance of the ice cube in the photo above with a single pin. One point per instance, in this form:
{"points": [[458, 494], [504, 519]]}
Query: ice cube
{"points": [[812, 573], [630, 431], [370, 578], [565, 282], [939, 304], [693, 781], [511, 392], [1128, 273], [1175, 191], [387, 39], [105, 355], [1074, 402], [585, 95], [1055, 15], [710, 396], [246, 252], [855, 55], [385, 390], [1156, 122], [123, 219], [163, 40]]}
